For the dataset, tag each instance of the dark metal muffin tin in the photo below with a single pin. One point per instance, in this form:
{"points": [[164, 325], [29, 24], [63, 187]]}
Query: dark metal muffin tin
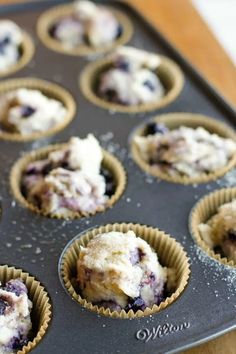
{"points": [[34, 243]]}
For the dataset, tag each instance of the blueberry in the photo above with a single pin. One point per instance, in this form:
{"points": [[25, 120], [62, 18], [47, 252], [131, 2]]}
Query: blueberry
{"points": [[136, 304], [232, 235], [47, 169], [136, 256], [31, 171], [110, 183], [27, 111], [16, 286], [5, 41], [149, 85], [17, 343], [154, 128], [66, 166], [119, 31], [110, 189], [159, 298], [141, 254], [152, 276], [123, 65], [3, 305], [38, 168], [110, 95]]}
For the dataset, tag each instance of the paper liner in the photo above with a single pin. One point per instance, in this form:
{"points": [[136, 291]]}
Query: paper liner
{"points": [[51, 16], [51, 90], [110, 162], [170, 254], [41, 313], [203, 210], [27, 49], [169, 73], [174, 121]]}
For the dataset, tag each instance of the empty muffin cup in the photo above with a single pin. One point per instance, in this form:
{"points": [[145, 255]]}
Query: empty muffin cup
{"points": [[55, 14], [26, 50], [206, 208], [174, 121], [50, 90], [170, 254], [110, 163], [168, 72], [41, 312]]}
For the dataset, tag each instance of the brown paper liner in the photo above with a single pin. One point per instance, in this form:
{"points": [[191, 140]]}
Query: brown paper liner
{"points": [[170, 254], [174, 121], [205, 208], [50, 90], [169, 73], [110, 162], [27, 49], [41, 313], [51, 16]]}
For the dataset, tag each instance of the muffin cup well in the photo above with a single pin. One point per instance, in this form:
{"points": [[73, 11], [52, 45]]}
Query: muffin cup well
{"points": [[170, 254], [169, 73], [49, 89], [110, 162], [53, 15], [41, 313], [191, 120], [27, 51], [203, 210]]}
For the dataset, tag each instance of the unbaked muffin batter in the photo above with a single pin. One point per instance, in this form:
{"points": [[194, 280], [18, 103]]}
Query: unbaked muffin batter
{"points": [[27, 111], [184, 151], [219, 232], [132, 78], [91, 24], [69, 179], [10, 41], [120, 271], [15, 322]]}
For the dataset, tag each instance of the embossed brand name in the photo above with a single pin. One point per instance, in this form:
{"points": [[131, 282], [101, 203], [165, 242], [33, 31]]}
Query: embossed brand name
{"points": [[159, 331]]}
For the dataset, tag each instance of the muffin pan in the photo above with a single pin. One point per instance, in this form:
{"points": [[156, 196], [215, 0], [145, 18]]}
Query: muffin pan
{"points": [[34, 243]]}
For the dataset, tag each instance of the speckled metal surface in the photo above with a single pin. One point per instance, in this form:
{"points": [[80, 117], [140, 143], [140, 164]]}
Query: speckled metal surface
{"points": [[34, 243]]}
